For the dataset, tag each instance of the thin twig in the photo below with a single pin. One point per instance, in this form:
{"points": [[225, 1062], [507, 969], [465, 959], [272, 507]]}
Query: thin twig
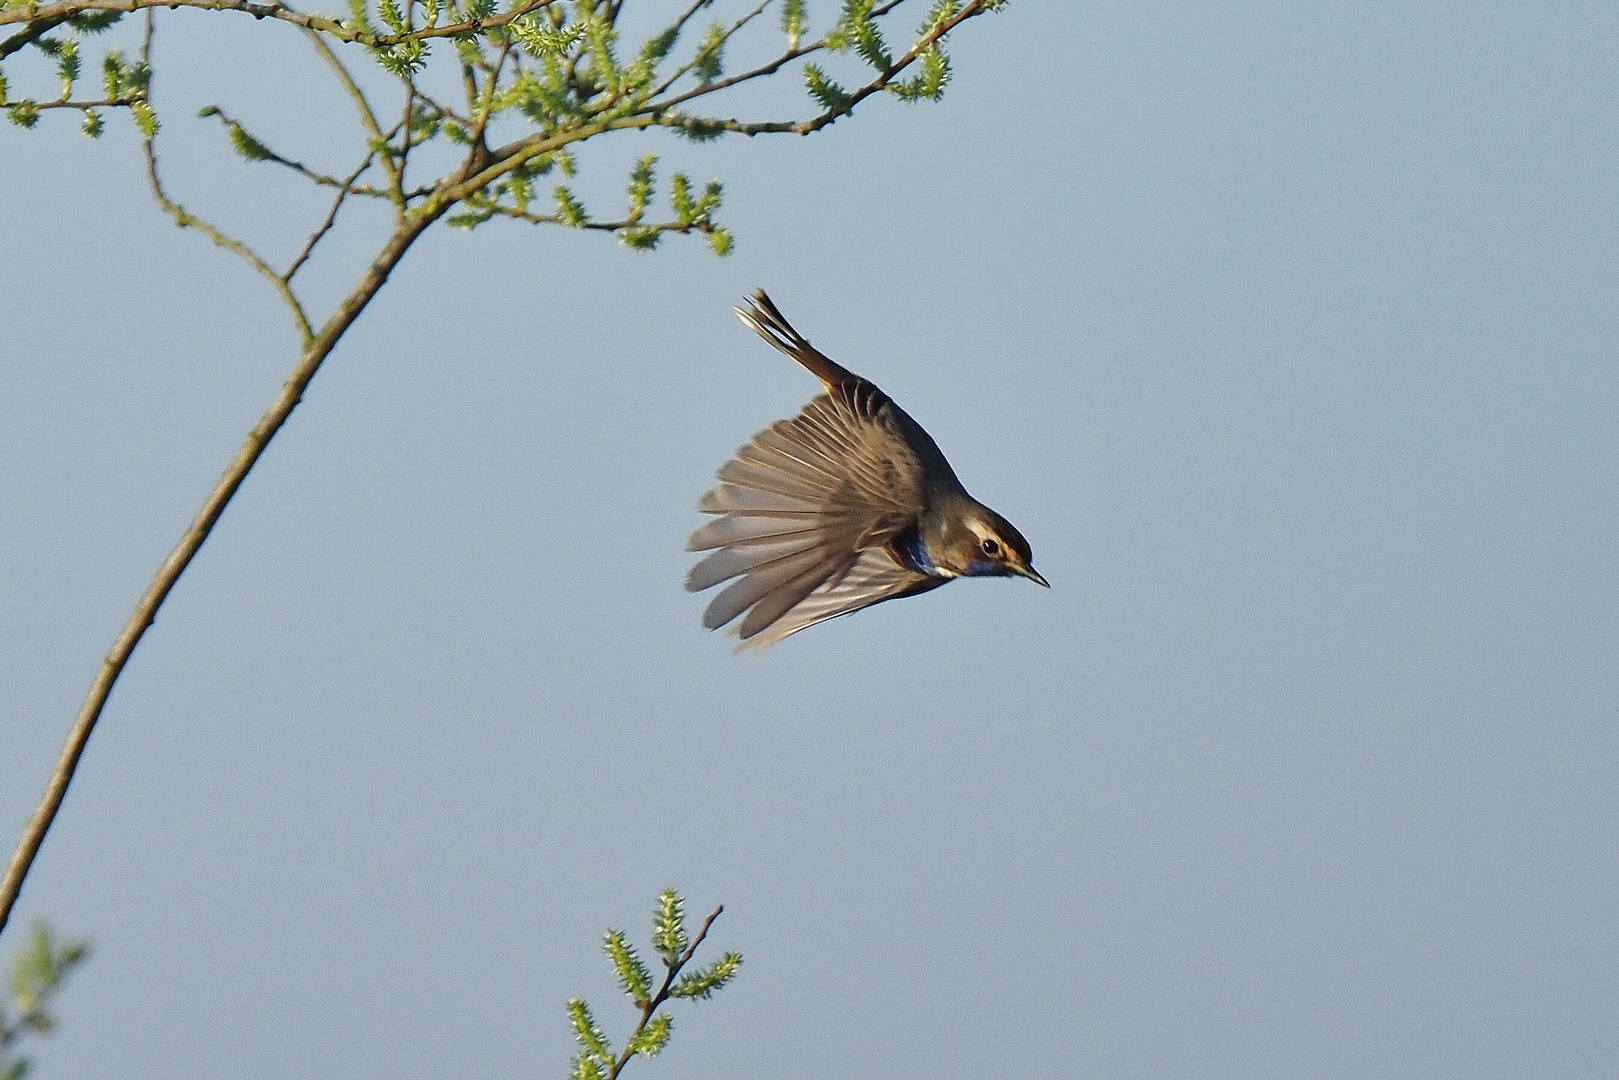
{"points": [[428, 99], [826, 118], [682, 71], [331, 219], [405, 144], [486, 100], [404, 120], [187, 220], [320, 178], [766, 69], [122, 101], [605, 226], [367, 117], [469, 86]]}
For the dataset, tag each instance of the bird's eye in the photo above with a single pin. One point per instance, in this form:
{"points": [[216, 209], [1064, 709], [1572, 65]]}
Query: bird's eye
{"points": [[990, 547]]}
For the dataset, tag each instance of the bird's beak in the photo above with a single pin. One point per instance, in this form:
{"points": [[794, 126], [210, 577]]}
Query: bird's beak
{"points": [[1033, 575]]}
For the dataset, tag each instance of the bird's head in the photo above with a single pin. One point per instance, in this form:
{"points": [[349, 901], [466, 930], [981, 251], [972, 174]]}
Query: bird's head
{"points": [[981, 543]]}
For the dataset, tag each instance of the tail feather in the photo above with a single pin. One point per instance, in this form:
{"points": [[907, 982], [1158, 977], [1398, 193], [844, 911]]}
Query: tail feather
{"points": [[769, 324]]}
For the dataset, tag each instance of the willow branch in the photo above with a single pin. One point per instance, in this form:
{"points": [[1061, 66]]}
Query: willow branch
{"points": [[60, 12], [30, 33], [605, 226], [648, 1008], [664, 112], [974, 8], [265, 153], [122, 101], [477, 175]]}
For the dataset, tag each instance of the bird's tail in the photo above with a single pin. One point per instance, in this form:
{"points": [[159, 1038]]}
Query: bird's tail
{"points": [[769, 324]]}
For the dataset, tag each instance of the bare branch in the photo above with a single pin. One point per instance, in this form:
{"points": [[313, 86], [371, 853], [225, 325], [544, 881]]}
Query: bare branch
{"points": [[187, 220], [331, 219]]}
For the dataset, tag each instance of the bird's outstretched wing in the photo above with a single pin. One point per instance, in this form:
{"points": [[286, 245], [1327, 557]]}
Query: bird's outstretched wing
{"points": [[798, 507], [873, 578]]}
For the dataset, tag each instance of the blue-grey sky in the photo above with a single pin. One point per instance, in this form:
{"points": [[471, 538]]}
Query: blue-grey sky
{"points": [[1286, 333]]}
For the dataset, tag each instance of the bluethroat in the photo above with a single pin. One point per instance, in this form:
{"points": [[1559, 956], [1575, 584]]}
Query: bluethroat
{"points": [[846, 505]]}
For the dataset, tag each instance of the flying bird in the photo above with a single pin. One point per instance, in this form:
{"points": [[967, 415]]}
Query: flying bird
{"points": [[848, 504]]}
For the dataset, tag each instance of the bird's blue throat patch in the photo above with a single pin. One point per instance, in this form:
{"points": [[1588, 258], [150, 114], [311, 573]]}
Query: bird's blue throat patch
{"points": [[910, 545]]}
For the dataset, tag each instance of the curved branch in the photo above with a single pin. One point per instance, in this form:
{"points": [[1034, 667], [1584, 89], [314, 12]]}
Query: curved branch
{"points": [[316, 349], [258, 440], [187, 220]]}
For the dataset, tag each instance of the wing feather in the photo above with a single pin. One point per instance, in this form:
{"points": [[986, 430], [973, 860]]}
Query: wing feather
{"points": [[874, 578], [760, 582]]}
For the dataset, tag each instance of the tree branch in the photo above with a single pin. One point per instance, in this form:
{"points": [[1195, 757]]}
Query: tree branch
{"points": [[60, 12], [681, 71], [976, 7], [261, 152], [30, 33], [84, 106]]}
